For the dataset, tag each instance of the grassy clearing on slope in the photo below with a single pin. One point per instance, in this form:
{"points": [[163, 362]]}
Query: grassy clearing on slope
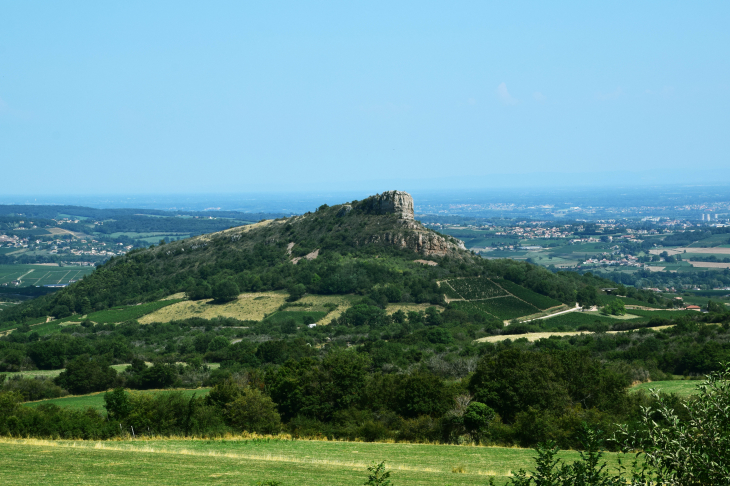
{"points": [[179, 462], [248, 307], [683, 388], [96, 400], [129, 312], [53, 373]]}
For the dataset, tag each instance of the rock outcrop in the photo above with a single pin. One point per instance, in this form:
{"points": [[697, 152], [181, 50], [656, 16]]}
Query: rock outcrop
{"points": [[390, 202], [418, 239]]}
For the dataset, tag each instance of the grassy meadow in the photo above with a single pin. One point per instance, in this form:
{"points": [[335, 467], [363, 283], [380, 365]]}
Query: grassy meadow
{"points": [[96, 400], [249, 461], [683, 388], [129, 312]]}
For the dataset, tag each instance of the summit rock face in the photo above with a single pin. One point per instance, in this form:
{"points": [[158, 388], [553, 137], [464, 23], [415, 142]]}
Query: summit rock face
{"points": [[385, 219], [390, 202]]}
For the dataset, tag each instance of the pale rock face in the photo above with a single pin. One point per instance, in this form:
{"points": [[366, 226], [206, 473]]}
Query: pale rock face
{"points": [[390, 202], [345, 209]]}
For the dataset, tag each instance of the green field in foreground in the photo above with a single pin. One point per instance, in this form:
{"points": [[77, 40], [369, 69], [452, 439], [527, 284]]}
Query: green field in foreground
{"points": [[96, 400], [246, 462], [682, 388]]}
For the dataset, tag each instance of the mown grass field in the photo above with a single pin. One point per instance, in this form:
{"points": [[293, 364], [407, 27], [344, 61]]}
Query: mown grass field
{"points": [[39, 275], [246, 462], [96, 400], [683, 388]]}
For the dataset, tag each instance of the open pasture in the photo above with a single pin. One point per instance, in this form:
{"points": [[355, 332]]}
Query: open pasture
{"points": [[247, 462], [39, 275], [717, 250], [683, 388], [96, 400], [53, 373], [128, 312]]}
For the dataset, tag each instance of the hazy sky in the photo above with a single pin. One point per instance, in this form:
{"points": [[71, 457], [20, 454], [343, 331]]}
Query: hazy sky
{"points": [[173, 97]]}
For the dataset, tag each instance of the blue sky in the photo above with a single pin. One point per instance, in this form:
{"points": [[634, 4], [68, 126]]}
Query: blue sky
{"points": [[182, 97]]}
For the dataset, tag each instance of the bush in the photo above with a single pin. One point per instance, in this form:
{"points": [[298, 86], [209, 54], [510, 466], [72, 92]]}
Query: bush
{"points": [[252, 411], [690, 451], [85, 375]]}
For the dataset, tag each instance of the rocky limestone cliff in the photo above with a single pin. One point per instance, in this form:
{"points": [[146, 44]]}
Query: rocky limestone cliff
{"points": [[419, 239], [389, 202], [358, 222]]}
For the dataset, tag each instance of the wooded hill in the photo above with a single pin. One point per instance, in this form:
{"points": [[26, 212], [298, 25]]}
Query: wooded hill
{"points": [[372, 247]]}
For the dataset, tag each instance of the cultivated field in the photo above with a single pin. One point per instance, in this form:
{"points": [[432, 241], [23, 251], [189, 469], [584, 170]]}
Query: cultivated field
{"points": [[710, 264], [39, 275], [248, 462], [718, 250]]}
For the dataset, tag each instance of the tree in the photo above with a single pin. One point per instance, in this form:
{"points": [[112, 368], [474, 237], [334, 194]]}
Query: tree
{"points": [[477, 418], [252, 411], [226, 290], [296, 292], [117, 404], [85, 375], [587, 296], [614, 308]]}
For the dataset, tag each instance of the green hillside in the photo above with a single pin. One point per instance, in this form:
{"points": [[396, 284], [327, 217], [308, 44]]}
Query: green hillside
{"points": [[353, 322]]}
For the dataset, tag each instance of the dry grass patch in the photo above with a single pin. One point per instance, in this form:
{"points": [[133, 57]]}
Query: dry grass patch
{"points": [[343, 303], [393, 308], [709, 264], [252, 307], [534, 336]]}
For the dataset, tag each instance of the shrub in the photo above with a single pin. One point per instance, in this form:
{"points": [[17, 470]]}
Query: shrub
{"points": [[85, 375], [253, 411]]}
